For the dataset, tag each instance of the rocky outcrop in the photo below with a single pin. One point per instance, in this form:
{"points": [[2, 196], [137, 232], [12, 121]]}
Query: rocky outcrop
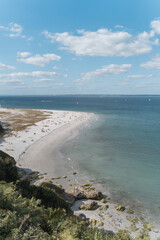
{"points": [[8, 169], [89, 206], [71, 195], [31, 176], [69, 198], [80, 192]]}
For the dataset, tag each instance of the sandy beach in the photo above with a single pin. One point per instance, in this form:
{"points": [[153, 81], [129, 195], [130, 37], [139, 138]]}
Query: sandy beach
{"points": [[37, 148], [17, 143]]}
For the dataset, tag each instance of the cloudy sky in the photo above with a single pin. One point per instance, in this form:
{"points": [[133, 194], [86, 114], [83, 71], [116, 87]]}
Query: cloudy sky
{"points": [[79, 47]]}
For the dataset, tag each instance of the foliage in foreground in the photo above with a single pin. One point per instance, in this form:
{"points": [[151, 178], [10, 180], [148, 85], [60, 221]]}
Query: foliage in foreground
{"points": [[24, 219], [8, 169], [37, 212]]}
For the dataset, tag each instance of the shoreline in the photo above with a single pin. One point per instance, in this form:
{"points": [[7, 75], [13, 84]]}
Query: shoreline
{"points": [[19, 141], [40, 146], [45, 152]]}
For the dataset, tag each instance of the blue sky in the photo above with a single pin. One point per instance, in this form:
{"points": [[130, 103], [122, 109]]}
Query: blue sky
{"points": [[79, 47]]}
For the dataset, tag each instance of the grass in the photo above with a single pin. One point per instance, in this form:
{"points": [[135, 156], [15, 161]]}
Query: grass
{"points": [[23, 119]]}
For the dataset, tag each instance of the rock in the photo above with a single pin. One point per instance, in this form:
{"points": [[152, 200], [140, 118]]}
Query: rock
{"points": [[1, 129], [120, 208], [83, 193], [76, 193], [8, 169], [30, 176], [69, 198], [89, 206], [48, 181], [86, 185], [103, 200], [106, 207], [81, 217], [108, 198], [93, 194]]}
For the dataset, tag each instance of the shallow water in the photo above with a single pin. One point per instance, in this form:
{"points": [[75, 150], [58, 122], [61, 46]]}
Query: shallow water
{"points": [[121, 149], [128, 168]]}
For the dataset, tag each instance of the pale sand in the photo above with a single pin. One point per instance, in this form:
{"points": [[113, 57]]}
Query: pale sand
{"points": [[40, 151], [44, 155], [16, 144]]}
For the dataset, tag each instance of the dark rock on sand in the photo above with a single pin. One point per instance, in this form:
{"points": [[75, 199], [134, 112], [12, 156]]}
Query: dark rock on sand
{"points": [[82, 193], [120, 208], [81, 217], [89, 206]]}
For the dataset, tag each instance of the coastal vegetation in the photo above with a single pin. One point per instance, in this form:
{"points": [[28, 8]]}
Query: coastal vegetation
{"points": [[39, 212], [1, 129], [15, 121]]}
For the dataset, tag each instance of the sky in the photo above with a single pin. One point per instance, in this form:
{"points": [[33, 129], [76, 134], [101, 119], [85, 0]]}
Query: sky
{"points": [[57, 47]]}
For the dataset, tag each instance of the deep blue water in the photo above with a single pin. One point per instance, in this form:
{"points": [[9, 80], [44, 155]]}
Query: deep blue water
{"points": [[122, 149]]}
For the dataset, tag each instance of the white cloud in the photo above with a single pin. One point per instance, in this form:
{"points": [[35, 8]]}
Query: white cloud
{"points": [[106, 42], [13, 29], [113, 69], [103, 42], [153, 63], [40, 60], [139, 76], [34, 74], [44, 80], [5, 67], [11, 81], [23, 54], [155, 25]]}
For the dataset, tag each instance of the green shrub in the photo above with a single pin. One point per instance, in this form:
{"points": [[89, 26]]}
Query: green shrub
{"points": [[48, 197], [8, 169], [24, 218]]}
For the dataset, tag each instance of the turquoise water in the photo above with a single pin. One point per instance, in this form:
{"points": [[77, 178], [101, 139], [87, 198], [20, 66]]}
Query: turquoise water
{"points": [[121, 149], [124, 159]]}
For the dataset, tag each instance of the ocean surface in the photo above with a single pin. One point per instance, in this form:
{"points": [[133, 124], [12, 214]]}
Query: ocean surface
{"points": [[121, 149]]}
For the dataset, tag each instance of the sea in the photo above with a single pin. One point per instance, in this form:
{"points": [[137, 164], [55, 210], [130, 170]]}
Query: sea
{"points": [[121, 150]]}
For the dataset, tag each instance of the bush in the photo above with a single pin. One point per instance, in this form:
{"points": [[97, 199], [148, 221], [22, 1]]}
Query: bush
{"points": [[48, 197], [22, 218], [8, 169]]}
